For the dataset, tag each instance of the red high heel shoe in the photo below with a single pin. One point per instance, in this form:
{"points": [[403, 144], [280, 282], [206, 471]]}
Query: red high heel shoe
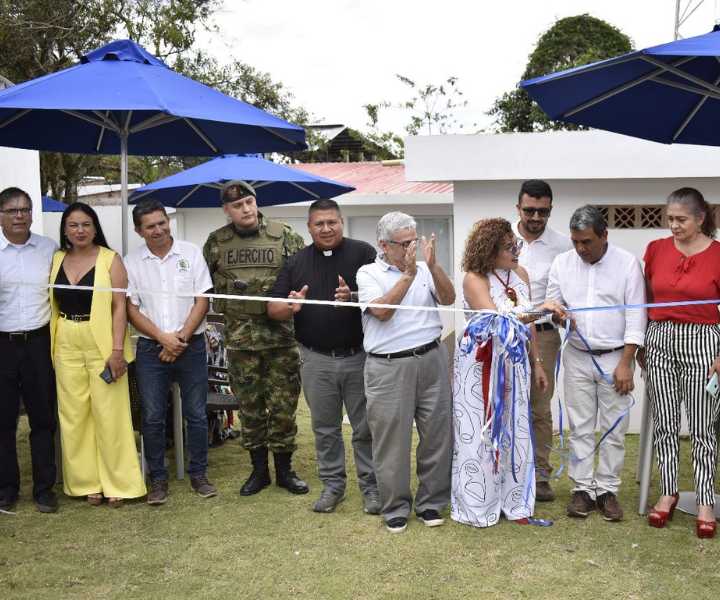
{"points": [[659, 518], [705, 529]]}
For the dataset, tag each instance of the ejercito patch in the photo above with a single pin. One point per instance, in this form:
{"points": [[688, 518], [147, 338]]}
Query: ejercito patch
{"points": [[258, 257]]}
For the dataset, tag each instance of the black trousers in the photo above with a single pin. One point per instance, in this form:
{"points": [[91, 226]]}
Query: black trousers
{"points": [[26, 371]]}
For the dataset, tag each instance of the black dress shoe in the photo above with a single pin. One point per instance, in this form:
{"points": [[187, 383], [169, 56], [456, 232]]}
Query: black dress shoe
{"points": [[47, 502], [8, 501]]}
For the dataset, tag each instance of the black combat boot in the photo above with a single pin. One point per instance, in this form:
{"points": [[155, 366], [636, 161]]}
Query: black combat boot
{"points": [[286, 477], [260, 476]]}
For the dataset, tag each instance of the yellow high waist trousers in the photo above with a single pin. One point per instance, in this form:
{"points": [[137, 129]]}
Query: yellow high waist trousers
{"points": [[98, 444]]}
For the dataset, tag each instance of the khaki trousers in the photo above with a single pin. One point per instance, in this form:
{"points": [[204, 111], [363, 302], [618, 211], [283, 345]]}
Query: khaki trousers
{"points": [[548, 342]]}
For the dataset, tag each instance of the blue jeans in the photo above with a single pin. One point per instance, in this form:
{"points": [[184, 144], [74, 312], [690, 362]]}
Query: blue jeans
{"points": [[154, 378]]}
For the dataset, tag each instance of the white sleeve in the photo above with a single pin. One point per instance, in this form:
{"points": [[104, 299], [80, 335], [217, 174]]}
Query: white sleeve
{"points": [[132, 281], [553, 291], [202, 281], [369, 288]]}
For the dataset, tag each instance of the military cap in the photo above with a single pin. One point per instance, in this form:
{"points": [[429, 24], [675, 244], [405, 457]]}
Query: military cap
{"points": [[236, 189]]}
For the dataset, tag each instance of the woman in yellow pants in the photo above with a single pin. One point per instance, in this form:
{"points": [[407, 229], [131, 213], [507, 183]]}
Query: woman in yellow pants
{"points": [[89, 336]]}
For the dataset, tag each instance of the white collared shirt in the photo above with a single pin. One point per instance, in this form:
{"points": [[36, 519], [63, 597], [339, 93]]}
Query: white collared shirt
{"points": [[616, 278], [537, 256], [181, 270], [24, 275], [406, 328]]}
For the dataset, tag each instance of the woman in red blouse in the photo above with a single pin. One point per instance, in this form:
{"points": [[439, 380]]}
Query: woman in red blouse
{"points": [[682, 348]]}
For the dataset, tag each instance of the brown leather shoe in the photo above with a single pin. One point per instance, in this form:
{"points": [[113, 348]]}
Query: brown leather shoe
{"points": [[610, 507], [581, 505], [543, 492]]}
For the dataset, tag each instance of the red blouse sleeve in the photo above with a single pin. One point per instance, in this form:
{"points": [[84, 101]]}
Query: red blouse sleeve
{"points": [[648, 258]]}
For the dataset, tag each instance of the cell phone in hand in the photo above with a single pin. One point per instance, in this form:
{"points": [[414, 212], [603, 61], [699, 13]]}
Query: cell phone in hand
{"points": [[106, 375], [713, 386]]}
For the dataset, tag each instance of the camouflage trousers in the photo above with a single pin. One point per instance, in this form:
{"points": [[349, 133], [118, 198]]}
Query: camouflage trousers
{"points": [[267, 385]]}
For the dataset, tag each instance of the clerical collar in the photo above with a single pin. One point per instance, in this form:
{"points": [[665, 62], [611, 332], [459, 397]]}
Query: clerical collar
{"points": [[327, 252]]}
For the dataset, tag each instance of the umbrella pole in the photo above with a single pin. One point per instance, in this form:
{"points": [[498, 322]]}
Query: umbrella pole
{"points": [[124, 190]]}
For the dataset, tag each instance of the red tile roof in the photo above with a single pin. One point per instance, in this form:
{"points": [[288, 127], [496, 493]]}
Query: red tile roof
{"points": [[375, 178]]}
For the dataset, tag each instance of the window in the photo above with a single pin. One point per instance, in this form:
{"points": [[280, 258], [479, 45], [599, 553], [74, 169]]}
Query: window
{"points": [[649, 216]]}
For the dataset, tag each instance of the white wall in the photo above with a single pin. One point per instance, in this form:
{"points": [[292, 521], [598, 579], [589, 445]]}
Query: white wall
{"points": [[482, 199], [21, 168]]}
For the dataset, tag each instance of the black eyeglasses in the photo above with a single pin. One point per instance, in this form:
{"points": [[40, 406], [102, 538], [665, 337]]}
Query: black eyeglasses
{"points": [[405, 244], [17, 212], [542, 212]]}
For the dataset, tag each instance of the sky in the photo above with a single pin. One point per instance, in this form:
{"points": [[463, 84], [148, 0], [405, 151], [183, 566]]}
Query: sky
{"points": [[337, 55]]}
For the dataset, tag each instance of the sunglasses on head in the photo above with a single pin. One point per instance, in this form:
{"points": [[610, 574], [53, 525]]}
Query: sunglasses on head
{"points": [[542, 212]]}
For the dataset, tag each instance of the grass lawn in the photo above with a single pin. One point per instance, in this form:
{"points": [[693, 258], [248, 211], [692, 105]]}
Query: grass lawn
{"points": [[273, 546]]}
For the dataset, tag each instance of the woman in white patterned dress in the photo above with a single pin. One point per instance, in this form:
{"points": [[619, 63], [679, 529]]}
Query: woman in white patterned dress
{"points": [[493, 470]]}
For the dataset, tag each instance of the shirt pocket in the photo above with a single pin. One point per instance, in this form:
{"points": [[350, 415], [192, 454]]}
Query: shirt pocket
{"points": [[183, 283]]}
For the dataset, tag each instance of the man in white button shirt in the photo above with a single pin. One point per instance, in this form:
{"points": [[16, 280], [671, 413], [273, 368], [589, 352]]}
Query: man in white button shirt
{"points": [[539, 245], [597, 273], [406, 373], [171, 346], [25, 368]]}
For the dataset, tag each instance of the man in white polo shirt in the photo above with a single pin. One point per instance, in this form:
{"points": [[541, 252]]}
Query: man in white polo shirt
{"points": [[25, 368], [539, 245], [171, 346], [406, 373]]}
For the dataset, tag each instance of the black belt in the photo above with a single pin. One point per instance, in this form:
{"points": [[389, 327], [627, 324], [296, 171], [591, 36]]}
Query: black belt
{"points": [[24, 336], [417, 351], [337, 353], [601, 352], [544, 327], [76, 318]]}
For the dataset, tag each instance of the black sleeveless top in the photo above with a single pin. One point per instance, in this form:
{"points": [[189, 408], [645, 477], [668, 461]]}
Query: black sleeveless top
{"points": [[74, 302]]}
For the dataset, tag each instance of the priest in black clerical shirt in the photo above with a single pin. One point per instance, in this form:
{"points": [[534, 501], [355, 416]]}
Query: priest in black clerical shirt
{"points": [[330, 339]]}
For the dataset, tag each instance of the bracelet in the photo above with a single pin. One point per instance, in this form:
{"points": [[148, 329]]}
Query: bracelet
{"points": [[118, 349], [538, 360]]}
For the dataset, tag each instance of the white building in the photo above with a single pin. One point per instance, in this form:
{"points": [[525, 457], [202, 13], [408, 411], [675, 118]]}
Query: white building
{"points": [[630, 178]]}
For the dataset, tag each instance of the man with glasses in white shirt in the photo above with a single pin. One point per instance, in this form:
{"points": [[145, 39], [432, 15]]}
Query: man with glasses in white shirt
{"points": [[25, 369], [406, 373], [596, 274], [539, 245]]}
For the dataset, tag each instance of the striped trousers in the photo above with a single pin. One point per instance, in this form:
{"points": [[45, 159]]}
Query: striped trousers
{"points": [[678, 357]]}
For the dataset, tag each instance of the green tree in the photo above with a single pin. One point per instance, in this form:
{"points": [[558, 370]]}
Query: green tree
{"points": [[43, 36], [570, 42]]}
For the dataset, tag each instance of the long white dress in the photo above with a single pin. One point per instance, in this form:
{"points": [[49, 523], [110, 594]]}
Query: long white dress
{"points": [[490, 448]]}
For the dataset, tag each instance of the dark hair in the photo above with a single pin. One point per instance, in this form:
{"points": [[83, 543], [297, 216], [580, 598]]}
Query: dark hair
{"points": [[146, 207], [88, 210], [535, 188], [483, 245], [588, 217], [324, 204], [694, 201], [13, 192]]}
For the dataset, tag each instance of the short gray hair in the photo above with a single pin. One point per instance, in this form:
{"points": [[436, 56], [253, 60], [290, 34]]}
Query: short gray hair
{"points": [[588, 216], [392, 222]]}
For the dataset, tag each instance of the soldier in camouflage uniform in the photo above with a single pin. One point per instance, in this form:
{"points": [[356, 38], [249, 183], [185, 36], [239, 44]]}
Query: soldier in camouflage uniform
{"points": [[244, 258]]}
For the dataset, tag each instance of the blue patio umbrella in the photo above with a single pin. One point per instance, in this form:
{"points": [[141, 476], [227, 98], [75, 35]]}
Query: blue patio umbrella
{"points": [[120, 99], [200, 186], [668, 93], [51, 205]]}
